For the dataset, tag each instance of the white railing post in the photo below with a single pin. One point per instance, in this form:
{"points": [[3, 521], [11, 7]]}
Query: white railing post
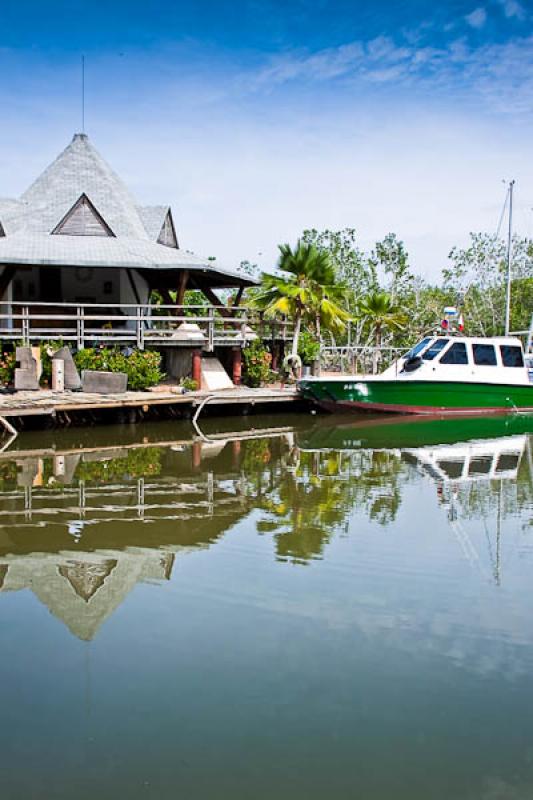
{"points": [[25, 326], [79, 328], [211, 329], [139, 327]]}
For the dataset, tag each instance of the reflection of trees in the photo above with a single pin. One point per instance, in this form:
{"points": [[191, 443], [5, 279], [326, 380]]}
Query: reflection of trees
{"points": [[314, 493]]}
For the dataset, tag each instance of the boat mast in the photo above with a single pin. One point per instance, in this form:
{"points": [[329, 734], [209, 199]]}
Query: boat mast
{"points": [[509, 253]]}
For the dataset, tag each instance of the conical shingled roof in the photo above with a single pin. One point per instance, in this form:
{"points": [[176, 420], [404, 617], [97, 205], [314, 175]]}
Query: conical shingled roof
{"points": [[35, 233], [78, 170]]}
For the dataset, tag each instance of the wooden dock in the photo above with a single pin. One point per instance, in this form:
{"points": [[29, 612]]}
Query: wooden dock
{"points": [[68, 407]]}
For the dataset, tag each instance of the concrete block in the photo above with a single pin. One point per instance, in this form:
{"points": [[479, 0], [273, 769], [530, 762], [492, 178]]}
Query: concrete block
{"points": [[58, 375], [214, 376], [72, 376], [28, 373], [101, 382], [25, 380]]}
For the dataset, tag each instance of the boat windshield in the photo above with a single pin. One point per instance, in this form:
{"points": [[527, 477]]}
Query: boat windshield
{"points": [[418, 348], [435, 349]]}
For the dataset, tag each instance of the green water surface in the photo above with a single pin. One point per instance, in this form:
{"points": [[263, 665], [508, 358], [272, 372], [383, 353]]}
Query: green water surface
{"points": [[291, 607]]}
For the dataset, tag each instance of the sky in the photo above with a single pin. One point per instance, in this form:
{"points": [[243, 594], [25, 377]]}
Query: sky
{"points": [[256, 119]]}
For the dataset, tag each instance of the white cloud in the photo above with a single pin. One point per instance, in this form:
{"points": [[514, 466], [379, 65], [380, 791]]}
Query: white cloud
{"points": [[513, 9], [477, 18]]}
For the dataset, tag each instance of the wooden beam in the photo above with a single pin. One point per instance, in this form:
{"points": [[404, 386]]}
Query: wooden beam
{"points": [[5, 279], [238, 297], [182, 287], [215, 301]]}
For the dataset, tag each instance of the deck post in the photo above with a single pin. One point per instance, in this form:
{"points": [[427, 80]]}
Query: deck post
{"points": [[197, 368], [236, 365], [211, 329]]}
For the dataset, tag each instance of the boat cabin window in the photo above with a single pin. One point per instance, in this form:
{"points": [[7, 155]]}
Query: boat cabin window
{"points": [[456, 354], [480, 465], [435, 349], [418, 347], [508, 462], [452, 469], [511, 355], [484, 355]]}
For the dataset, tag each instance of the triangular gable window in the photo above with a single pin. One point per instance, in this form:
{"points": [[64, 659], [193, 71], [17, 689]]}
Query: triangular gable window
{"points": [[83, 220], [168, 233]]}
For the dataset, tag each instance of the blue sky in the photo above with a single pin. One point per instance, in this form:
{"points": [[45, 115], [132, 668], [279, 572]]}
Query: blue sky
{"points": [[257, 119]]}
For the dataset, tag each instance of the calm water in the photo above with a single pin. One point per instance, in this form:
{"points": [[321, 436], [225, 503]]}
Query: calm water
{"points": [[332, 609]]}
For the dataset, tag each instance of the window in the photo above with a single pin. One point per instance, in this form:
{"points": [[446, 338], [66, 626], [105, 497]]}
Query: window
{"points": [[480, 465], [435, 349], [452, 469], [456, 354], [418, 347], [511, 355], [484, 355]]}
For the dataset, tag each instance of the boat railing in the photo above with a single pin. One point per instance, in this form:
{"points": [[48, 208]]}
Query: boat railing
{"points": [[357, 359]]}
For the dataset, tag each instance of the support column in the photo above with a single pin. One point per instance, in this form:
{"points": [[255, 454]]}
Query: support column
{"points": [[182, 287], [236, 365], [197, 367]]}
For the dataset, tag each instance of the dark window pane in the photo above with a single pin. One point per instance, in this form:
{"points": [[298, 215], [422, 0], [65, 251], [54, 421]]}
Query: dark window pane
{"points": [[484, 355], [453, 469], [456, 354], [511, 355], [480, 465], [435, 349], [418, 347], [508, 461]]}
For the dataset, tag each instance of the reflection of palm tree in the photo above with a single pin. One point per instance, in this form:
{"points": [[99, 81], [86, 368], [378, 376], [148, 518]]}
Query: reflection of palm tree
{"points": [[312, 502]]}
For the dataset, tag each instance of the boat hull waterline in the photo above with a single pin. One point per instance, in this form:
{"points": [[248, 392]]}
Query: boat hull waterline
{"points": [[418, 397]]}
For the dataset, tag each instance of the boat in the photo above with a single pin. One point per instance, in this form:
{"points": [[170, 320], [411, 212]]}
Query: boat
{"points": [[442, 374], [401, 432]]}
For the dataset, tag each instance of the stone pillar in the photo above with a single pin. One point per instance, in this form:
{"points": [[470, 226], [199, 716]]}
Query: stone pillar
{"points": [[236, 365], [197, 367]]}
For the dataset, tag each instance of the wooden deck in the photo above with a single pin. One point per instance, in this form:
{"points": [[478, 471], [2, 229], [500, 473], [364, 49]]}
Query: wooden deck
{"points": [[50, 404]]}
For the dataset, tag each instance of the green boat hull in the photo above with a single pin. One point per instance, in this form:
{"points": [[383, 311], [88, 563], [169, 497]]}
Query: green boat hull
{"points": [[417, 397], [387, 431]]}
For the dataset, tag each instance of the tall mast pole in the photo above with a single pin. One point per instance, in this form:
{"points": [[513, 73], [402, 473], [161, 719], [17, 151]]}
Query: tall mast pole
{"points": [[509, 254]]}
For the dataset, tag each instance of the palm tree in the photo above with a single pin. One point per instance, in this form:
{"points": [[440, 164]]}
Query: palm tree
{"points": [[307, 290], [379, 311]]}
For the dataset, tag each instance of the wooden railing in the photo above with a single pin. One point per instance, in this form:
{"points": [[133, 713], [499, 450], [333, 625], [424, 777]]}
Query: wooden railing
{"points": [[90, 324]]}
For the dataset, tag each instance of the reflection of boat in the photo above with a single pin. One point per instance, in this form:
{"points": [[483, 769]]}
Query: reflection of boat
{"points": [[492, 459], [441, 374], [385, 432]]}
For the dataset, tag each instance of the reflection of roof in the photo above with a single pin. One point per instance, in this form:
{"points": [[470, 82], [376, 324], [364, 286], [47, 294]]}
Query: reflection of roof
{"points": [[122, 233], [84, 591]]}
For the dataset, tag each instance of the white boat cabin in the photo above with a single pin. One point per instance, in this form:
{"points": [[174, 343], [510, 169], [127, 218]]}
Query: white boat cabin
{"points": [[498, 359]]}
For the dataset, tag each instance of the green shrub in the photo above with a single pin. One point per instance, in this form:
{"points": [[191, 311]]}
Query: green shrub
{"points": [[143, 367], [257, 361], [308, 348], [7, 366], [189, 384]]}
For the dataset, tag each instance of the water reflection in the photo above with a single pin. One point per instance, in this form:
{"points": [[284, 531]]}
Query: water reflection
{"points": [[81, 526]]}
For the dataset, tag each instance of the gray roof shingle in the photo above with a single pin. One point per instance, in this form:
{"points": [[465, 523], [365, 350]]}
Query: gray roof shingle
{"points": [[28, 222]]}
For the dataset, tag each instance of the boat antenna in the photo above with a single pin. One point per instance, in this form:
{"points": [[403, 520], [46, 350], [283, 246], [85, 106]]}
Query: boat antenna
{"points": [[509, 259]]}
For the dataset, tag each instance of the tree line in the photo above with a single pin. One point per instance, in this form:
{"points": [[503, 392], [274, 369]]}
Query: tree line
{"points": [[327, 279]]}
